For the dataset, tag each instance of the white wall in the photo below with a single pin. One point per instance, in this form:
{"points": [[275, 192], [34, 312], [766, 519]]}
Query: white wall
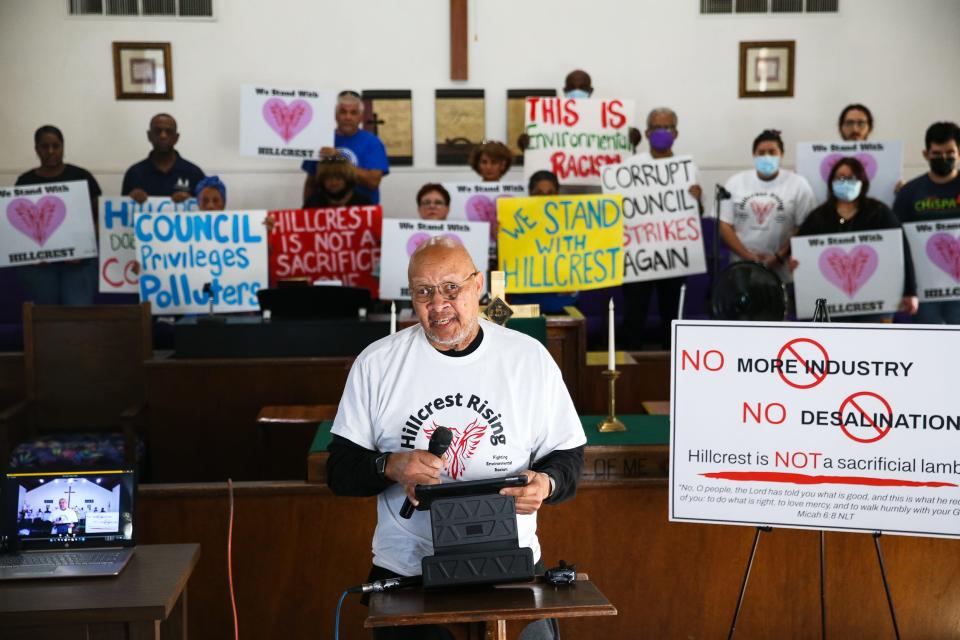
{"points": [[897, 57]]}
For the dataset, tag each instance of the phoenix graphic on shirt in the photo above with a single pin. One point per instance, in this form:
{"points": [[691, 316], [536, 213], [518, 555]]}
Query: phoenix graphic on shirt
{"points": [[761, 210], [462, 446]]}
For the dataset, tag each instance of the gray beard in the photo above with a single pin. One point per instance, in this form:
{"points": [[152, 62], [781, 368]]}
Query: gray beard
{"points": [[455, 340]]}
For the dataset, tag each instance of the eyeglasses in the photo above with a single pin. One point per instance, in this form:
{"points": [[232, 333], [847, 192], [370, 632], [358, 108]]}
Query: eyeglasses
{"points": [[859, 124], [432, 203], [846, 179], [448, 290]]}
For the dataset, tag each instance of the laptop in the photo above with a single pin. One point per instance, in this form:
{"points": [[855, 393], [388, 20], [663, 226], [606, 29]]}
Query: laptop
{"points": [[66, 524]]}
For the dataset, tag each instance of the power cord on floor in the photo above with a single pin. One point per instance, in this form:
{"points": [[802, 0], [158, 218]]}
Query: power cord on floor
{"points": [[343, 596], [233, 599]]}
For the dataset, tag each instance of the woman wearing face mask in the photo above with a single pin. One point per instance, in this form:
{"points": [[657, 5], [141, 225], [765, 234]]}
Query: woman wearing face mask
{"points": [[848, 209], [766, 207], [335, 179]]}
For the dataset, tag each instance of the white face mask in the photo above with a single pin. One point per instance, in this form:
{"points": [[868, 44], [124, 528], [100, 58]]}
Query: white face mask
{"points": [[576, 93]]}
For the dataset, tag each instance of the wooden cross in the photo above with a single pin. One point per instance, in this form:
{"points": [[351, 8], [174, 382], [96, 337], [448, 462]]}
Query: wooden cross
{"points": [[69, 493], [458, 39]]}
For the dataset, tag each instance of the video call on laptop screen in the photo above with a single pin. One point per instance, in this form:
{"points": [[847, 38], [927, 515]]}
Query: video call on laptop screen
{"points": [[70, 509]]}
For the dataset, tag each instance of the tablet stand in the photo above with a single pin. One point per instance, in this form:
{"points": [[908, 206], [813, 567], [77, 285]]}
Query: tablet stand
{"points": [[475, 541]]}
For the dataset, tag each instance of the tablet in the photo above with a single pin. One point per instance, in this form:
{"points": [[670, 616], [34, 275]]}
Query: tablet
{"points": [[427, 493]]}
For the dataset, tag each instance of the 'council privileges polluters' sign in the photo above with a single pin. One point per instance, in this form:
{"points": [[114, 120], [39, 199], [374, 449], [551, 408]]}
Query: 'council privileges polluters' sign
{"points": [[46, 223], [180, 254], [575, 138], [286, 123], [662, 237], [560, 243], [820, 426]]}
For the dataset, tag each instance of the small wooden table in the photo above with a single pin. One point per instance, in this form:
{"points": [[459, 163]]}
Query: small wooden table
{"points": [[481, 613], [149, 596]]}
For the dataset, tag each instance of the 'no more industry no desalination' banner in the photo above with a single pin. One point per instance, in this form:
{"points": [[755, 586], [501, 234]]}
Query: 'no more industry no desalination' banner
{"points": [[822, 426]]}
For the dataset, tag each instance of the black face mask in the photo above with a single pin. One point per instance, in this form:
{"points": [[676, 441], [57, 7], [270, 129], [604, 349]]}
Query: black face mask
{"points": [[943, 166]]}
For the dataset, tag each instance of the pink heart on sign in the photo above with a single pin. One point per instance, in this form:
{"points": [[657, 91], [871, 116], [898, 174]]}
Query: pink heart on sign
{"points": [[419, 238], [37, 221], [849, 271], [944, 251], [287, 120], [415, 241], [866, 159]]}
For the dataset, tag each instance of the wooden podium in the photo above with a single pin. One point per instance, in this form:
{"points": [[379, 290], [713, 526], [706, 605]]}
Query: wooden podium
{"points": [[481, 613]]}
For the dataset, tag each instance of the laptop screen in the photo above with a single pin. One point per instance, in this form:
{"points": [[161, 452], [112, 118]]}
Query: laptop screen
{"points": [[69, 509]]}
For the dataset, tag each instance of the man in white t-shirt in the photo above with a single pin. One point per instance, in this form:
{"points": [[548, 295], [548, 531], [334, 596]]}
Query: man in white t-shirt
{"points": [[766, 207], [498, 390], [64, 515]]}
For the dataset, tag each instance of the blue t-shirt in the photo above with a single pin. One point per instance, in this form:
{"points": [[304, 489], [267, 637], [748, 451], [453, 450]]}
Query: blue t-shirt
{"points": [[365, 151]]}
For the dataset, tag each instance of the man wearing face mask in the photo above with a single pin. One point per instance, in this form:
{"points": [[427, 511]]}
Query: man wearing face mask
{"points": [[935, 195], [766, 207], [661, 133]]}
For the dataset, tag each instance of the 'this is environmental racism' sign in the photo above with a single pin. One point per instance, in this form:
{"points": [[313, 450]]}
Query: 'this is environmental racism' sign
{"points": [[576, 138], [818, 426]]}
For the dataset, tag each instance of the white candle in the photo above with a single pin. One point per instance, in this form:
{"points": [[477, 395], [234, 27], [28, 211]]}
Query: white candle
{"points": [[611, 348], [393, 318]]}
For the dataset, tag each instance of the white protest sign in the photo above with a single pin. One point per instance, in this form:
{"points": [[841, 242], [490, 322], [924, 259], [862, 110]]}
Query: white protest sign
{"points": [[477, 201], [575, 138], [286, 123], [818, 426], [180, 254], [46, 223], [662, 237], [102, 522], [935, 249], [883, 162], [402, 237], [118, 252], [858, 273]]}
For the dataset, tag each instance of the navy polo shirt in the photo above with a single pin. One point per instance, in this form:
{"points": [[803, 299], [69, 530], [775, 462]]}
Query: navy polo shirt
{"points": [[183, 176]]}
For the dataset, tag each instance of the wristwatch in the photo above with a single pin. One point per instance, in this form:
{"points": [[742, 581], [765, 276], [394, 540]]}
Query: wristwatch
{"points": [[553, 485], [381, 464]]}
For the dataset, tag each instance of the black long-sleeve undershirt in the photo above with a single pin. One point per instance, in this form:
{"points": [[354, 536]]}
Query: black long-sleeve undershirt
{"points": [[352, 471]]}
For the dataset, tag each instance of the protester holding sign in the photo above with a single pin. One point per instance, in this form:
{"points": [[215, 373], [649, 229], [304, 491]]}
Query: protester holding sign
{"points": [[72, 282], [491, 160], [164, 172], [847, 210], [856, 122], [363, 149], [433, 202], [336, 185], [661, 134], [766, 207], [211, 194], [935, 195], [578, 84]]}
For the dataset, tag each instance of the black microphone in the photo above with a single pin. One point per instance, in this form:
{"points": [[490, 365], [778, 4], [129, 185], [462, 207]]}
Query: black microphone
{"points": [[722, 194], [439, 443], [387, 584]]}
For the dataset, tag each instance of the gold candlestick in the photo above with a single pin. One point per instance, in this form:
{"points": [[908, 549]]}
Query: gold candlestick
{"points": [[610, 423]]}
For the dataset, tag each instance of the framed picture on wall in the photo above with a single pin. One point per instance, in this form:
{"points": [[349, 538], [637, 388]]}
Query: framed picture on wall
{"points": [[388, 114], [142, 71], [461, 124], [766, 69]]}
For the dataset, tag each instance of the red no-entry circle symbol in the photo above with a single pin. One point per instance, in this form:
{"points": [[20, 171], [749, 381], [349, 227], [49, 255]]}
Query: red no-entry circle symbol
{"points": [[804, 350], [856, 402]]}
